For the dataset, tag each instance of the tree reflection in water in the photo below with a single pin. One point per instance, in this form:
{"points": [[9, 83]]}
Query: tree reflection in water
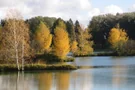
{"points": [[62, 80], [118, 75]]}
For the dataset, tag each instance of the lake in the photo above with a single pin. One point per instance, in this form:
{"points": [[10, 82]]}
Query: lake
{"points": [[96, 73]]}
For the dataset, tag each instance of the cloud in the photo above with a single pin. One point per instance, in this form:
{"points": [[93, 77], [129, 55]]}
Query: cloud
{"points": [[20, 5], [132, 8], [94, 12], [112, 9], [81, 10], [75, 9]]}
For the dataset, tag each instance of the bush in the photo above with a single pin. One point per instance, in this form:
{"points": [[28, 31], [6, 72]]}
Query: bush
{"points": [[125, 48], [49, 58], [6, 67], [83, 53]]}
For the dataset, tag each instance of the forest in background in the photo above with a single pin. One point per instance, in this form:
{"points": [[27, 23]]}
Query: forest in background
{"points": [[101, 25], [53, 38]]}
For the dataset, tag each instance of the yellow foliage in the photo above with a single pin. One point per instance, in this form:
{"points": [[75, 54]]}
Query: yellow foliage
{"points": [[74, 46], [123, 35], [43, 37], [116, 35], [87, 49], [61, 42]]}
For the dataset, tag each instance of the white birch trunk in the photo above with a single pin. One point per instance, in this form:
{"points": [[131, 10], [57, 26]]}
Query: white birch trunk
{"points": [[15, 47]]}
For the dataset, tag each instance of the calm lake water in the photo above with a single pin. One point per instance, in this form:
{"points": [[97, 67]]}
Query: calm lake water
{"points": [[111, 73]]}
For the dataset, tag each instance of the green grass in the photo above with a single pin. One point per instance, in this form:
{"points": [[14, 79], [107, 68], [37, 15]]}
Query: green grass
{"points": [[68, 59], [82, 55], [98, 54], [49, 58], [13, 67]]}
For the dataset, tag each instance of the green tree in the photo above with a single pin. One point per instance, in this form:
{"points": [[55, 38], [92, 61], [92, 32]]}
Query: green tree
{"points": [[102, 24], [59, 23], [71, 30], [35, 21], [79, 34], [126, 48]]}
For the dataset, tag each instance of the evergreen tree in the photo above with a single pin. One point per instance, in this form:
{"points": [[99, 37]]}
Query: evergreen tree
{"points": [[71, 30], [79, 35], [58, 23]]}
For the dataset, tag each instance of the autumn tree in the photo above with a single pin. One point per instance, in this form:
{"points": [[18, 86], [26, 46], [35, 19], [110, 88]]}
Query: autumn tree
{"points": [[43, 37], [59, 23], [88, 43], [73, 46], [83, 38], [60, 40], [15, 39], [116, 35]]}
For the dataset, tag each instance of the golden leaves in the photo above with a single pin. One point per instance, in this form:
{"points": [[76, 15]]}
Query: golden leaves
{"points": [[61, 42], [116, 35], [43, 36]]}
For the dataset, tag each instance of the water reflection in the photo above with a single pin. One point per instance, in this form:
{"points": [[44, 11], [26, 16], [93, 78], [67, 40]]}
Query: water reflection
{"points": [[120, 76], [62, 80], [45, 81], [119, 73], [83, 81], [16, 81]]}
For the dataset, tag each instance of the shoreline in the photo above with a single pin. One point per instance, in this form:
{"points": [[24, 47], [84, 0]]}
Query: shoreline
{"points": [[32, 67], [102, 54]]}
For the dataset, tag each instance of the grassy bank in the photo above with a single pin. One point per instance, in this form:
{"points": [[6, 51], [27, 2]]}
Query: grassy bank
{"points": [[103, 54], [28, 67], [98, 54], [48, 58]]}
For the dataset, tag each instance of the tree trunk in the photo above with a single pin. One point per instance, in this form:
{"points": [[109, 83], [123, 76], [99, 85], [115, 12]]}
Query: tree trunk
{"points": [[23, 54], [15, 46]]}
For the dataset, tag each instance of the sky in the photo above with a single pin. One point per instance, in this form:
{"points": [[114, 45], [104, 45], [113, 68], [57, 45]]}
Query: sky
{"points": [[82, 10]]}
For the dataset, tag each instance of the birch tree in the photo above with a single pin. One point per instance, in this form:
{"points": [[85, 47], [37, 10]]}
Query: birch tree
{"points": [[15, 38]]}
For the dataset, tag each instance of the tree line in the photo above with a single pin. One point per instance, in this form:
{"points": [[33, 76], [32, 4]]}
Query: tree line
{"points": [[53, 37], [20, 40], [101, 25]]}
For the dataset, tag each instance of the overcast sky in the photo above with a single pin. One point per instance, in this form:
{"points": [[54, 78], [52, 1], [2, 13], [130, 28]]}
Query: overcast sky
{"points": [[82, 10]]}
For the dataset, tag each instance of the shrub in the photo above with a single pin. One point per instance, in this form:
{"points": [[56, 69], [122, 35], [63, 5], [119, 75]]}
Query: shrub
{"points": [[125, 48]]}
